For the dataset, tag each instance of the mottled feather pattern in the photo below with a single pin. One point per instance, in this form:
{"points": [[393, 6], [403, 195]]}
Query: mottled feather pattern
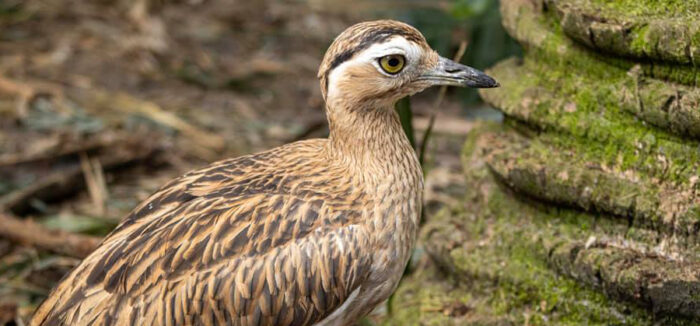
{"points": [[282, 237], [218, 246]]}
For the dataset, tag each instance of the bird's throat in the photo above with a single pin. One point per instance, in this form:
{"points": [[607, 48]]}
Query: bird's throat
{"points": [[371, 141]]}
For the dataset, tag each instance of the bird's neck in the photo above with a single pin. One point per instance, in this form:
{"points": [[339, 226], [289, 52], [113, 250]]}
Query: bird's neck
{"points": [[371, 142]]}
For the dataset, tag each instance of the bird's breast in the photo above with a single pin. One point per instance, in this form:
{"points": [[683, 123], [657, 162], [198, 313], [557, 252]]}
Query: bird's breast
{"points": [[395, 225]]}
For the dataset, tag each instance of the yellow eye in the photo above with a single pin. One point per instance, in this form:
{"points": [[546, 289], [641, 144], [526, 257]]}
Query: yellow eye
{"points": [[392, 64]]}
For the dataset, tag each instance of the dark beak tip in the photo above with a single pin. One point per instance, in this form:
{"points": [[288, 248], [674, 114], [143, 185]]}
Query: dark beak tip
{"points": [[482, 80], [491, 82], [488, 82]]}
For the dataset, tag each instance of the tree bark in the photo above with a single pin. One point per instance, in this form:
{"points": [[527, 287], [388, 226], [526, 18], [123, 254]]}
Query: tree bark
{"points": [[583, 207]]}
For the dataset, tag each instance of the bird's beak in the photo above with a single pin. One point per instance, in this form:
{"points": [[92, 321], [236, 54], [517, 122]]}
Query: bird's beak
{"points": [[450, 73]]}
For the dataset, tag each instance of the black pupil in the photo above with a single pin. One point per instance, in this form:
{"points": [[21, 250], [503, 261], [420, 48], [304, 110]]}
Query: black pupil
{"points": [[393, 62]]}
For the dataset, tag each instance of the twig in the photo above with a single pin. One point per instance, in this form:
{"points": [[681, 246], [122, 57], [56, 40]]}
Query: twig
{"points": [[32, 234], [23, 92], [438, 101], [102, 140], [8, 312], [67, 181], [443, 90], [94, 180], [15, 88], [26, 91], [129, 104], [424, 140], [55, 184]]}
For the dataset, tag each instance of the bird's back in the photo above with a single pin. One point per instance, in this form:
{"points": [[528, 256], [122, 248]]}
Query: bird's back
{"points": [[275, 238]]}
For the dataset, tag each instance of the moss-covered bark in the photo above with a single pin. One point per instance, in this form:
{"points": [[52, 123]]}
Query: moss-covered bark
{"points": [[657, 30], [513, 261], [527, 21], [430, 298], [670, 106], [567, 176], [583, 208], [586, 106]]}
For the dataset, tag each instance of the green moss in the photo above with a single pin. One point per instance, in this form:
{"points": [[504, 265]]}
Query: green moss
{"points": [[512, 251], [544, 38], [428, 298], [509, 278], [664, 31], [560, 217], [583, 106], [640, 42], [505, 267], [571, 176], [661, 9], [667, 106], [515, 261]]}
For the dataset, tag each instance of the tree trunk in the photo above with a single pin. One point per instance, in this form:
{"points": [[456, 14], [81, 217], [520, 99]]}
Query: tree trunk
{"points": [[583, 206]]}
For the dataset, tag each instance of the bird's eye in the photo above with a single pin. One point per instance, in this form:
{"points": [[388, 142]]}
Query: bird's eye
{"points": [[392, 64]]}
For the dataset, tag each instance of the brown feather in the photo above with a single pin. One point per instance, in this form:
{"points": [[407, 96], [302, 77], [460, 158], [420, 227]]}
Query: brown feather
{"points": [[283, 237]]}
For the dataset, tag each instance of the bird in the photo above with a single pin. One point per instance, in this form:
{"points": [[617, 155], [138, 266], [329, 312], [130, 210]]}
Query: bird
{"points": [[315, 232]]}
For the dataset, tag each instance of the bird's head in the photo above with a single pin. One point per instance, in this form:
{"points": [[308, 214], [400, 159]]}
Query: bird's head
{"points": [[379, 62]]}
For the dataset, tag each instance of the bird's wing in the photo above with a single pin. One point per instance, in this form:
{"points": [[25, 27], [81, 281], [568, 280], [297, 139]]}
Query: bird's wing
{"points": [[243, 250]]}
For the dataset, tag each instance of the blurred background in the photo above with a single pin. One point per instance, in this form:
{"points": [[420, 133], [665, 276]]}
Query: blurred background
{"points": [[102, 102]]}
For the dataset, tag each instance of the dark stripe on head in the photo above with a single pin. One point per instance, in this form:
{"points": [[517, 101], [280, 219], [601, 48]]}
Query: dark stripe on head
{"points": [[373, 37]]}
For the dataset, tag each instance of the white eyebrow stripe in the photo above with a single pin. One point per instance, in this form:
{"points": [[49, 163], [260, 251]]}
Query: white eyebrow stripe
{"points": [[410, 50], [397, 43], [397, 49]]}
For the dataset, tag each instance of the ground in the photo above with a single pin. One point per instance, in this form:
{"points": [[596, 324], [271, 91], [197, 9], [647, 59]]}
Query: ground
{"points": [[101, 103]]}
